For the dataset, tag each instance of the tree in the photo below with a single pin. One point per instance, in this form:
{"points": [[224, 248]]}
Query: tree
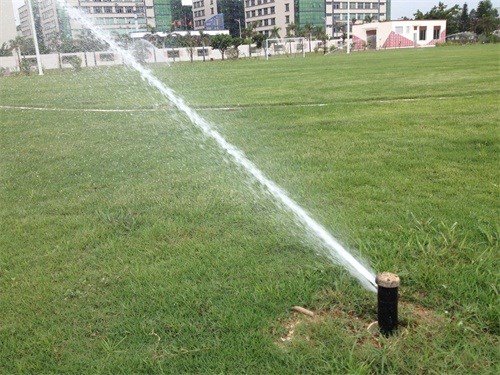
{"points": [[5, 49], [89, 43], [221, 42], [308, 31], [320, 34], [204, 39], [464, 22], [24, 45], [275, 32], [258, 39], [368, 19], [237, 41], [190, 42], [291, 29], [486, 18], [440, 12], [247, 33]]}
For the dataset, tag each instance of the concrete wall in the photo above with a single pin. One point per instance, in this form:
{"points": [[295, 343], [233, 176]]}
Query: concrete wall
{"points": [[105, 58]]}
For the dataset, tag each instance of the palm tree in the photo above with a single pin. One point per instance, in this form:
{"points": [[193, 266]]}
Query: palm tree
{"points": [[308, 30], [290, 29], [275, 32], [205, 39], [247, 34]]}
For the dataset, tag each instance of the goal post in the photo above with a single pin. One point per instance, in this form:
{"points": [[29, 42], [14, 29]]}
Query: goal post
{"points": [[285, 46]]}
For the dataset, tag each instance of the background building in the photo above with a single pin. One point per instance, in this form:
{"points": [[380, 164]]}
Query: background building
{"points": [[359, 12], [116, 16], [290, 16], [398, 34], [269, 17], [25, 23], [8, 25], [210, 11]]}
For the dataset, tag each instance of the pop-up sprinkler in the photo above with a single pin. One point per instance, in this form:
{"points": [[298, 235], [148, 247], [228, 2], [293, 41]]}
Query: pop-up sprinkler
{"points": [[388, 284]]}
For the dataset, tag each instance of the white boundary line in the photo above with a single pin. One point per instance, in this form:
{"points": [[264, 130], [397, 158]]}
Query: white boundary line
{"points": [[160, 108]]}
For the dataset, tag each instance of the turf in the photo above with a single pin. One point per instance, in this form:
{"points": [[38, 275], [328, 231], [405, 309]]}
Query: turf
{"points": [[130, 244]]}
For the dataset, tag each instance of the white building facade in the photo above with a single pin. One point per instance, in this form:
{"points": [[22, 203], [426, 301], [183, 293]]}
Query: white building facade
{"points": [[398, 34], [8, 29], [338, 13]]}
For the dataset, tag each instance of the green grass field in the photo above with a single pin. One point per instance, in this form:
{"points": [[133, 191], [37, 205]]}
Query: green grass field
{"points": [[129, 243]]}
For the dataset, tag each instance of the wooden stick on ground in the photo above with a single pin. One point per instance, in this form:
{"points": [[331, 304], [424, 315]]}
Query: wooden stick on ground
{"points": [[303, 310]]}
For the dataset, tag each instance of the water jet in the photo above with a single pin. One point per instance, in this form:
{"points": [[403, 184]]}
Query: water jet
{"points": [[387, 302], [335, 251]]}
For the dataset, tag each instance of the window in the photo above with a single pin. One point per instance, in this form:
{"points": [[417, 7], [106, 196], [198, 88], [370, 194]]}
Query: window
{"points": [[336, 6], [287, 7], [129, 9], [172, 54], [437, 32], [287, 19], [422, 33], [118, 9], [108, 10], [398, 29], [97, 9]]}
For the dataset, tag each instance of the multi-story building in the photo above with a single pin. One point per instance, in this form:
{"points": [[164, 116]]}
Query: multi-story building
{"points": [[8, 25], [25, 22], [337, 13], [232, 11], [117, 16], [269, 16], [285, 16], [203, 10]]}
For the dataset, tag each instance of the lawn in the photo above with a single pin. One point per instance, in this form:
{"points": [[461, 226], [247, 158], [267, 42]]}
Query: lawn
{"points": [[130, 243]]}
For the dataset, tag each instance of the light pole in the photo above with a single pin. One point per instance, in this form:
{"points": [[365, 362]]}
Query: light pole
{"points": [[35, 39], [239, 25]]}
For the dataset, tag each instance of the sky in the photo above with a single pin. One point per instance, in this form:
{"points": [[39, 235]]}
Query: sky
{"points": [[400, 8]]}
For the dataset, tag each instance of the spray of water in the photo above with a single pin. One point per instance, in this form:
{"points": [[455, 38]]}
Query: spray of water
{"points": [[336, 251]]}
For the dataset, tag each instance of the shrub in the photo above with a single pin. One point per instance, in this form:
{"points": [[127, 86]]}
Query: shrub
{"points": [[74, 60], [232, 53], [26, 66]]}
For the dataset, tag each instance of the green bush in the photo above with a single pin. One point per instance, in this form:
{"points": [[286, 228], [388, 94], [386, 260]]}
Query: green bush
{"points": [[26, 66], [232, 53], [492, 38], [74, 60]]}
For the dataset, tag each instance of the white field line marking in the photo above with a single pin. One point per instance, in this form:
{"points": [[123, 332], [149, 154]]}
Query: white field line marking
{"points": [[72, 109], [150, 109], [236, 108]]}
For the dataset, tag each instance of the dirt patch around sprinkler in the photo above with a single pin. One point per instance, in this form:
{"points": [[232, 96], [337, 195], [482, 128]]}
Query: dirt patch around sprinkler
{"points": [[411, 317]]}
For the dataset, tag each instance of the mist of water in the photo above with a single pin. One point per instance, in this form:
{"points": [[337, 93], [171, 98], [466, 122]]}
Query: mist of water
{"points": [[336, 252]]}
